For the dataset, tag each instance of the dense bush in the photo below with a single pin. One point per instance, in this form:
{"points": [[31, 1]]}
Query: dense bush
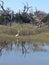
{"points": [[46, 20]]}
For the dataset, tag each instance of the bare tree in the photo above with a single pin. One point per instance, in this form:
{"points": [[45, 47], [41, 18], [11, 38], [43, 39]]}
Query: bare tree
{"points": [[7, 13], [26, 7]]}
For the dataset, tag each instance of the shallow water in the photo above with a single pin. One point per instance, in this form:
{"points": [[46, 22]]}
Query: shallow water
{"points": [[24, 53]]}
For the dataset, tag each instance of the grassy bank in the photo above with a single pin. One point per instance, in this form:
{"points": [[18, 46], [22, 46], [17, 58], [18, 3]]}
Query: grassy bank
{"points": [[27, 32]]}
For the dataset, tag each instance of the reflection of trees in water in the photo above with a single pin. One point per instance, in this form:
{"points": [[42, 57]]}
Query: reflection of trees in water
{"points": [[23, 46], [24, 50], [5, 45], [0, 51]]}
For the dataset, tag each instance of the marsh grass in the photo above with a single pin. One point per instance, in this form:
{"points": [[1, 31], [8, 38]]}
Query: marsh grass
{"points": [[28, 32]]}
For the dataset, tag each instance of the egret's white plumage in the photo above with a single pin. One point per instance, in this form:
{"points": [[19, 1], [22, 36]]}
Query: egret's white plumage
{"points": [[17, 34]]}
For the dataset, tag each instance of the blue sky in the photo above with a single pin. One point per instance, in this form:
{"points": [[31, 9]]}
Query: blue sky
{"points": [[15, 5]]}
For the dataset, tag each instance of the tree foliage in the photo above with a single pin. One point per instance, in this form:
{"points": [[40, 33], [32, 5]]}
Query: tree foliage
{"points": [[46, 20]]}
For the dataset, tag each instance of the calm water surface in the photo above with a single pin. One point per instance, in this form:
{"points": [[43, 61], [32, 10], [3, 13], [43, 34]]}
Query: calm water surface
{"points": [[24, 53]]}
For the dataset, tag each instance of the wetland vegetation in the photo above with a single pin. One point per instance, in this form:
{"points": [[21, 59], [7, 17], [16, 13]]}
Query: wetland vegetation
{"points": [[27, 32]]}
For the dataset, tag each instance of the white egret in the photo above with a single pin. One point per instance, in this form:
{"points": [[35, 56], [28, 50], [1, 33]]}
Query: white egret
{"points": [[17, 34]]}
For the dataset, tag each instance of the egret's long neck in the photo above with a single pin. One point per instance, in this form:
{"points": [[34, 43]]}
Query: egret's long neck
{"points": [[18, 32]]}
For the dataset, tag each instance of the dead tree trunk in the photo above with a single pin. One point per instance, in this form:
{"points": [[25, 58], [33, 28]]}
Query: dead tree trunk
{"points": [[9, 17]]}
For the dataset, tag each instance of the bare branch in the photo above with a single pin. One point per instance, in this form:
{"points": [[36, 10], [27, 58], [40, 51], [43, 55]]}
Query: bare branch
{"points": [[2, 3], [26, 7]]}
